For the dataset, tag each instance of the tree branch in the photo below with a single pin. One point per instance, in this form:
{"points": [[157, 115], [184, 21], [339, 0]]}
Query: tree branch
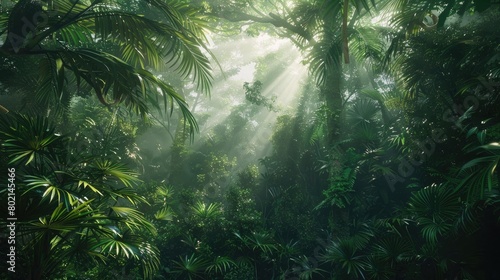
{"points": [[275, 20]]}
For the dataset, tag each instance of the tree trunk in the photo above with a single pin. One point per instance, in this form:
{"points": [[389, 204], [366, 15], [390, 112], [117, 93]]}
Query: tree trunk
{"points": [[331, 91]]}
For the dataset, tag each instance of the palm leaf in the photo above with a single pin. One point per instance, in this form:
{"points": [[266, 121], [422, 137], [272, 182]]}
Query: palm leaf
{"points": [[366, 44], [132, 218], [165, 214], [306, 268], [63, 220], [220, 265], [50, 190], [190, 266], [347, 256], [116, 170], [205, 211], [479, 173], [435, 208], [259, 241], [27, 139], [394, 250], [77, 33], [325, 57]]}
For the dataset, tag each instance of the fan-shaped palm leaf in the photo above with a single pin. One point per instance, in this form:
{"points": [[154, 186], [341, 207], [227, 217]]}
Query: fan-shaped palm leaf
{"points": [[305, 268], [363, 115], [27, 139], [435, 208], [378, 269], [191, 241], [437, 202], [191, 267], [205, 211], [345, 254], [361, 236], [394, 250], [220, 265]]}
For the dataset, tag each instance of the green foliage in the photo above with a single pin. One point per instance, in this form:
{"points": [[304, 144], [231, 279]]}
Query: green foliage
{"points": [[165, 214], [305, 268], [106, 48], [400, 161], [340, 190], [260, 242], [435, 208], [346, 254], [392, 251], [253, 93], [364, 118], [85, 206], [29, 139], [479, 173], [242, 271], [221, 265], [206, 212], [190, 267]]}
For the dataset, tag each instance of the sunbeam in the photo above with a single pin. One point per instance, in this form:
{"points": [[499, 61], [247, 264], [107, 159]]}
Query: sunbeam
{"points": [[282, 80]]}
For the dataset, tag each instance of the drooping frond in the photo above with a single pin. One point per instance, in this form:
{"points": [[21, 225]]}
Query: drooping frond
{"points": [[480, 173], [324, 57], [111, 48]]}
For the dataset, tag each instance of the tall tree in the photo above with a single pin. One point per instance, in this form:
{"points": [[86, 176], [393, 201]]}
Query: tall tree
{"points": [[322, 29]]}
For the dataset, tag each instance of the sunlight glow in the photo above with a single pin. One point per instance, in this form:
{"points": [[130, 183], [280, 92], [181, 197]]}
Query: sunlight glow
{"points": [[241, 64], [287, 85], [246, 73]]}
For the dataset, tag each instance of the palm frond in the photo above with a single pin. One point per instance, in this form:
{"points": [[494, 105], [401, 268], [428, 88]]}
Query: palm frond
{"points": [[361, 236], [165, 214], [348, 257], [205, 211], [363, 113], [325, 56], [306, 268], [394, 250], [28, 139], [117, 247], [130, 246], [177, 39], [220, 265], [106, 47], [260, 241], [479, 173], [132, 218], [366, 44], [116, 170], [63, 220], [130, 194], [190, 266], [50, 190], [435, 208]]}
